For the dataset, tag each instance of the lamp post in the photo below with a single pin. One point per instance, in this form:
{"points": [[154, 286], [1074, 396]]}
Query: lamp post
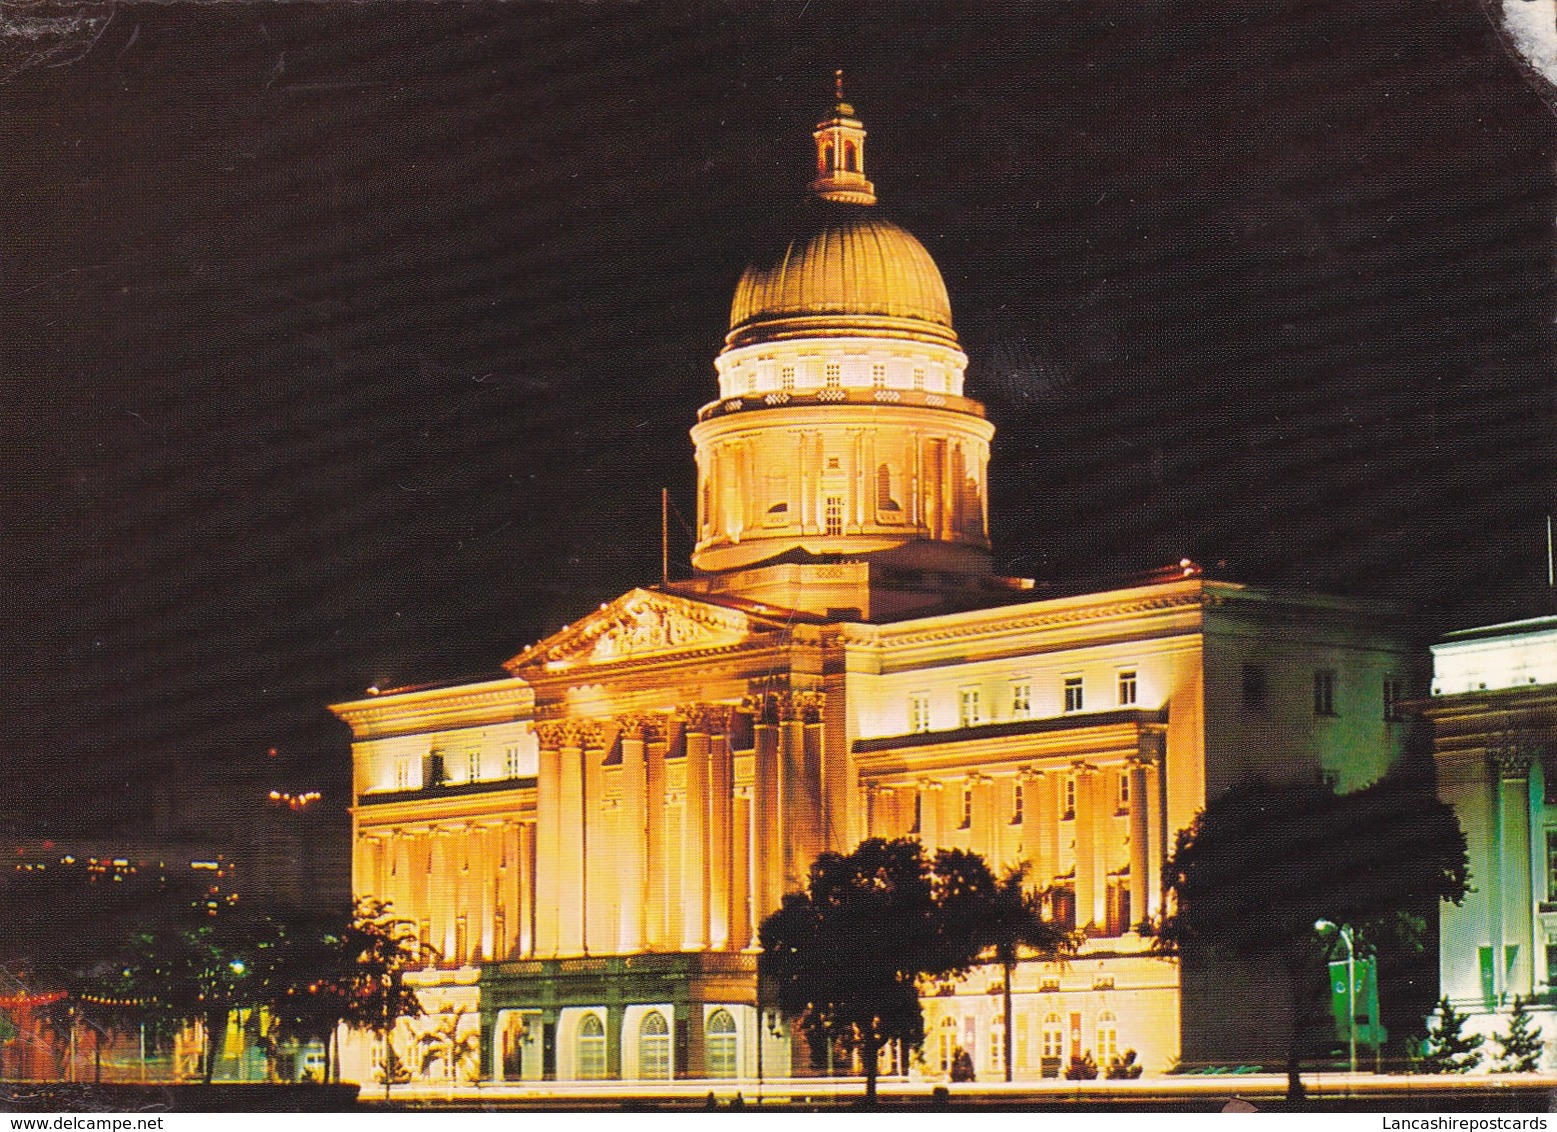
{"points": [[1345, 933]]}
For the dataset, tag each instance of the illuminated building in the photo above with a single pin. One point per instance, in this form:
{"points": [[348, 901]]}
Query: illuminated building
{"points": [[591, 840], [1494, 710]]}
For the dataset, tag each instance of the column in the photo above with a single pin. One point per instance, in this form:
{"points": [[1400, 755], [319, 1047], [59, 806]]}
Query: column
{"points": [[721, 786], [486, 878], [1090, 887], [527, 889], [570, 843], [1513, 863], [768, 849], [655, 935], [1039, 827], [599, 848], [548, 817], [634, 874], [694, 832], [1140, 843], [931, 818]]}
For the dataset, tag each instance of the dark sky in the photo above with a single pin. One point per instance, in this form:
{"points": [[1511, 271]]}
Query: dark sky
{"points": [[351, 343]]}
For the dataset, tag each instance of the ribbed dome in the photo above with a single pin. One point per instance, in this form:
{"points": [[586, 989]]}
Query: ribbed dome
{"points": [[851, 263]]}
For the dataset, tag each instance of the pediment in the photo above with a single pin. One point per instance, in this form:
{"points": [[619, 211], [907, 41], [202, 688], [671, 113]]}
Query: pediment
{"points": [[640, 624]]}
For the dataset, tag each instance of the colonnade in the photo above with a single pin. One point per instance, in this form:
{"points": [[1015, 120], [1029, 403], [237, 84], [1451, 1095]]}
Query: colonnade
{"points": [[1070, 820]]}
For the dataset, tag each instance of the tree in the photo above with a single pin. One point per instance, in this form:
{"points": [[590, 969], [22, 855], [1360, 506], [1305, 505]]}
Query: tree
{"points": [[1449, 1049], [1258, 867], [383, 949], [1012, 921], [845, 956], [1520, 1050]]}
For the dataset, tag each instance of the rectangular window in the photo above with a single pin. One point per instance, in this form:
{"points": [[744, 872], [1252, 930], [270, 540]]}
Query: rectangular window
{"points": [[1070, 798], [787, 379], [473, 766], [967, 808], [402, 774], [1018, 804], [1392, 698], [1074, 699], [1324, 692], [511, 761], [1124, 790], [1021, 699], [1551, 873], [919, 712], [878, 376], [968, 705], [918, 826], [919, 380], [1126, 687], [834, 375], [834, 515], [1253, 687]]}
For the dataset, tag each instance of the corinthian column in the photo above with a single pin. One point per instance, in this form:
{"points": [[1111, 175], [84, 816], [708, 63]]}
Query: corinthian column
{"points": [[694, 831], [548, 824], [633, 838], [1091, 892], [570, 844], [767, 842], [721, 850]]}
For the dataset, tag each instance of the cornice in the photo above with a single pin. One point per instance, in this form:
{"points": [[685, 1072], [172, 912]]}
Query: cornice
{"points": [[485, 702]]}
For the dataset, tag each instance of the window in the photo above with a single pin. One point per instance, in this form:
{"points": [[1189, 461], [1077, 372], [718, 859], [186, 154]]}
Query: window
{"points": [[511, 761], [948, 1040], [473, 766], [834, 515], [997, 1045], [461, 940], [1324, 692], [1124, 790], [918, 713], [1074, 700], [787, 379], [834, 375], [1254, 687], [1126, 687], [850, 157], [591, 1048], [968, 706], [1021, 699], [827, 157], [1018, 804], [884, 500], [919, 380], [402, 774], [1392, 698], [918, 826], [1053, 1036], [1070, 798], [1551, 873], [751, 382], [654, 1047], [719, 1044], [1107, 1038], [878, 376], [967, 808]]}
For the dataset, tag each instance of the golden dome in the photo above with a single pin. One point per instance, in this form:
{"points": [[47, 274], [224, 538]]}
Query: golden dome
{"points": [[851, 266]]}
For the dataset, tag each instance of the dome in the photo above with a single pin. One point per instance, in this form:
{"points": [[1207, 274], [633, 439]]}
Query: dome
{"points": [[849, 264]]}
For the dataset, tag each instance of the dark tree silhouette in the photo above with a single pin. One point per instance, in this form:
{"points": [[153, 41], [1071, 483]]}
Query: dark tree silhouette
{"points": [[1261, 865], [1519, 1051], [1449, 1048], [1012, 922], [844, 958]]}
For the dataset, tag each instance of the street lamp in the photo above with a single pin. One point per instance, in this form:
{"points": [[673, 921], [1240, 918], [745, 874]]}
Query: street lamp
{"points": [[1345, 932]]}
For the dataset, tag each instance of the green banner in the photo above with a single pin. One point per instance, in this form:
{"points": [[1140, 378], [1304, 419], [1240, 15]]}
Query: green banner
{"points": [[1364, 999]]}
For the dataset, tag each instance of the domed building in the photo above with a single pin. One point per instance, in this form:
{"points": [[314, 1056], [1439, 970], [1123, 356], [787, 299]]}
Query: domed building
{"points": [[589, 839]]}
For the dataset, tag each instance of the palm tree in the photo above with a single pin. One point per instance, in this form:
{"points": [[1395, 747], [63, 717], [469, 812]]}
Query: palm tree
{"points": [[1012, 922]]}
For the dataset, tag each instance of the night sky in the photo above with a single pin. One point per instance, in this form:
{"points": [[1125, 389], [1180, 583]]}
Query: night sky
{"points": [[346, 344]]}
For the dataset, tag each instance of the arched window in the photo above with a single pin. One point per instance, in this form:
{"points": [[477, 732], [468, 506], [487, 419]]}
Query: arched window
{"points": [[827, 157], [591, 1048], [654, 1048], [1107, 1038], [719, 1044], [851, 160]]}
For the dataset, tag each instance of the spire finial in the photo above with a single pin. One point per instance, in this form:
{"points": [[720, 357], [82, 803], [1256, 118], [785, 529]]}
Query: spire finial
{"points": [[838, 83]]}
